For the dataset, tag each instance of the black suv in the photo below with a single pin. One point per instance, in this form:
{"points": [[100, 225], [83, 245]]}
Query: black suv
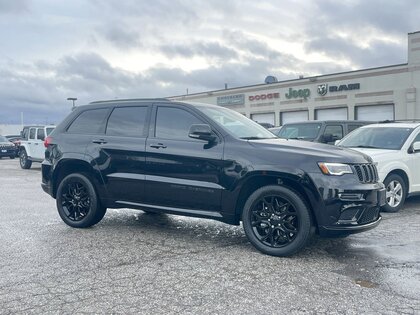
{"points": [[211, 162]]}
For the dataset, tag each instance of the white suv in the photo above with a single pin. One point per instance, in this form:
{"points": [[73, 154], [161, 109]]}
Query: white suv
{"points": [[395, 147], [31, 147]]}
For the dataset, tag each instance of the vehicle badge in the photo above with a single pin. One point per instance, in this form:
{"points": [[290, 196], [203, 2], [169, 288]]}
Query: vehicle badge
{"points": [[322, 89]]}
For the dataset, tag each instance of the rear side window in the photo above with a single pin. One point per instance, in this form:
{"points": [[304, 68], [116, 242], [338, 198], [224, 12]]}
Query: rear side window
{"points": [[335, 130], [90, 122], [174, 123], [127, 121], [353, 127], [49, 130], [40, 134]]}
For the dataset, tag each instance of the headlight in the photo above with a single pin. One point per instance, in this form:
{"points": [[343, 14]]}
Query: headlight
{"points": [[335, 168]]}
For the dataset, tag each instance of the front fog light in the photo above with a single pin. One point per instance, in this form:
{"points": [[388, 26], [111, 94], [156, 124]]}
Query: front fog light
{"points": [[335, 168]]}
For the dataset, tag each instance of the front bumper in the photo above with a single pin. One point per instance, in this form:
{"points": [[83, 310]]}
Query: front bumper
{"points": [[7, 151], [346, 206], [46, 168]]}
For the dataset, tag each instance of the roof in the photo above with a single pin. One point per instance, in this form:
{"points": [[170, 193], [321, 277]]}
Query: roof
{"points": [[402, 124]]}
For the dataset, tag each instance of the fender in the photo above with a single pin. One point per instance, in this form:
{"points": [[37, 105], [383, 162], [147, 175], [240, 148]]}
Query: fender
{"points": [[393, 166]]}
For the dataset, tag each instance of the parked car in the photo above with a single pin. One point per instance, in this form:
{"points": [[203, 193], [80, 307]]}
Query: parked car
{"points": [[206, 161], [31, 148], [395, 147], [326, 131], [266, 125], [15, 139], [7, 148]]}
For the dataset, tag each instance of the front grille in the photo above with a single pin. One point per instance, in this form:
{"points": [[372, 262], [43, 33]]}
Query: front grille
{"points": [[367, 173], [369, 215]]}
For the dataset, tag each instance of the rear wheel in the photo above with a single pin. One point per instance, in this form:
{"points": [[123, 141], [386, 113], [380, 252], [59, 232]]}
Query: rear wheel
{"points": [[25, 163], [277, 221], [396, 193], [77, 201]]}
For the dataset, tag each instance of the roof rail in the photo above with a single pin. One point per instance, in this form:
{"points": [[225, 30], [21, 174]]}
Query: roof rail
{"points": [[131, 100]]}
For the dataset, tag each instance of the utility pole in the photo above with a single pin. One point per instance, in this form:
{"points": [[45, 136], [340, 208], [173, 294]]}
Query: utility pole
{"points": [[72, 99]]}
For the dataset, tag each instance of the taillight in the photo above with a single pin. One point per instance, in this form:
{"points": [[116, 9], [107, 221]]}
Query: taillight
{"points": [[47, 141]]}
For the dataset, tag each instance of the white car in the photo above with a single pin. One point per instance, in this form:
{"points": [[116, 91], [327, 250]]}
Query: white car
{"points": [[395, 147], [32, 144]]}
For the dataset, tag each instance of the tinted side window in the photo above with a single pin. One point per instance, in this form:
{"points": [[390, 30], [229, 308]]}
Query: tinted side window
{"points": [[90, 122], [335, 130], [127, 121], [32, 133], [174, 123], [40, 134], [353, 127]]}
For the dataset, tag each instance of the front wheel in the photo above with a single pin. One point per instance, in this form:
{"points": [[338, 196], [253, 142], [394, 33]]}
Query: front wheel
{"points": [[77, 202], [277, 221], [25, 163], [396, 193]]}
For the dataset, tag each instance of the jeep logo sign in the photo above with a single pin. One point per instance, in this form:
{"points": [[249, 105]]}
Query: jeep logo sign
{"points": [[303, 93], [264, 96]]}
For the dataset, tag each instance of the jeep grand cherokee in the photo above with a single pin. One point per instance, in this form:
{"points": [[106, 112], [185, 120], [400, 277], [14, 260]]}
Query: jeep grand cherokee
{"points": [[210, 162]]}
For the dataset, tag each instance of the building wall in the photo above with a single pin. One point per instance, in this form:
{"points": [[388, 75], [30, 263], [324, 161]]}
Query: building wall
{"points": [[397, 85]]}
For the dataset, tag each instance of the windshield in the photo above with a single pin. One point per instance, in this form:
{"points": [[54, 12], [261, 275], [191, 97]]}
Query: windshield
{"points": [[237, 124], [377, 138], [300, 131], [3, 139]]}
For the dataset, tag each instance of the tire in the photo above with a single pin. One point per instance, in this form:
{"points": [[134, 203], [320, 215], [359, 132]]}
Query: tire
{"points": [[77, 201], [25, 163], [277, 221], [396, 192]]}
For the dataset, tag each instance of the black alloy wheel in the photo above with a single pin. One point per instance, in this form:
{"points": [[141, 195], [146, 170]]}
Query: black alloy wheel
{"points": [[25, 163], [77, 201], [277, 221]]}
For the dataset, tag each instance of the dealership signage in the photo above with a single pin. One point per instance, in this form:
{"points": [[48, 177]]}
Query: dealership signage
{"points": [[301, 93], [324, 88], [238, 99], [263, 97]]}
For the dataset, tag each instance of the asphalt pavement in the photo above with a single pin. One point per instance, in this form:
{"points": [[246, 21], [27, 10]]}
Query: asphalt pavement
{"points": [[133, 262]]}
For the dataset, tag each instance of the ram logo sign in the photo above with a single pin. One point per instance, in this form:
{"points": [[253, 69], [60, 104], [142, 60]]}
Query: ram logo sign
{"points": [[322, 89]]}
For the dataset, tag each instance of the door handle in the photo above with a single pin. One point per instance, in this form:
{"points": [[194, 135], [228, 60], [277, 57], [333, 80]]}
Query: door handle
{"points": [[158, 146], [99, 141]]}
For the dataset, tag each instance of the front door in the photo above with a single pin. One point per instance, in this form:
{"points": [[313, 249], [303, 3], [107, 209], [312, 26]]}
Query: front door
{"points": [[181, 172]]}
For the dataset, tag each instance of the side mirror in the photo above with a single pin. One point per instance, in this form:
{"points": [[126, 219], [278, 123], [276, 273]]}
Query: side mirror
{"points": [[327, 138], [201, 132], [336, 142], [416, 146]]}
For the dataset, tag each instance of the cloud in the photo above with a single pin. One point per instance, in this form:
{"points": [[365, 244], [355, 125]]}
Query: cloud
{"points": [[14, 6]]}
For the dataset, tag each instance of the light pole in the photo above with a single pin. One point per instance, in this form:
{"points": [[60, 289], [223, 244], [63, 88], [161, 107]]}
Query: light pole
{"points": [[72, 99]]}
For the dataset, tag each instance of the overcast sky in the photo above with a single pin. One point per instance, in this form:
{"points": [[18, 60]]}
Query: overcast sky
{"points": [[105, 49]]}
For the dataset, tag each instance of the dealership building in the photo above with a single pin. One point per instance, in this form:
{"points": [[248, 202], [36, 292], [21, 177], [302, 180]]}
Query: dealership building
{"points": [[382, 93]]}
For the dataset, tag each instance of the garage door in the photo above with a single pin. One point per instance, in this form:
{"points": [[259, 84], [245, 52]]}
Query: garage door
{"points": [[375, 112], [291, 117], [264, 118], [331, 114]]}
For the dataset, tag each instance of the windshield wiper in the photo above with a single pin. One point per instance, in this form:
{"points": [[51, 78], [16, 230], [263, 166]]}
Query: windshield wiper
{"points": [[255, 138], [366, 146], [296, 138]]}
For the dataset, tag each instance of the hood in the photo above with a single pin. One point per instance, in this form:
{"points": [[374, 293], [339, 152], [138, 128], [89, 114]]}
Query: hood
{"points": [[6, 143], [319, 151], [378, 154]]}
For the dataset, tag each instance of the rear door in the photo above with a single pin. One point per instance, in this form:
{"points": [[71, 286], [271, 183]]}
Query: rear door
{"points": [[123, 147], [181, 172]]}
